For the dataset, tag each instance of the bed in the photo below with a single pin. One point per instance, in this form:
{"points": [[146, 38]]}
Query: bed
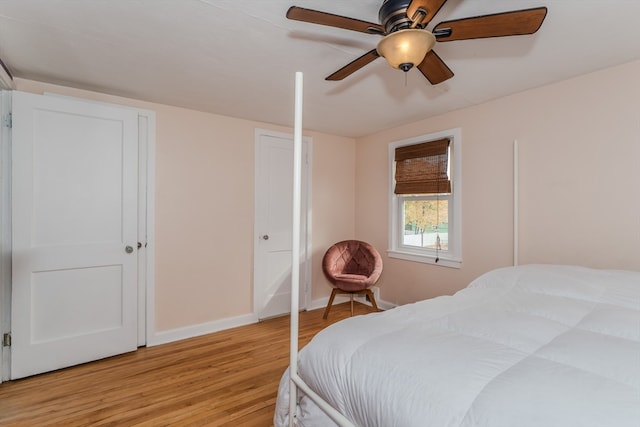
{"points": [[534, 345]]}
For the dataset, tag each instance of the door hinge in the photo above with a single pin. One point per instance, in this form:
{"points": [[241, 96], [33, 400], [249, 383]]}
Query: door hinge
{"points": [[7, 121], [6, 339]]}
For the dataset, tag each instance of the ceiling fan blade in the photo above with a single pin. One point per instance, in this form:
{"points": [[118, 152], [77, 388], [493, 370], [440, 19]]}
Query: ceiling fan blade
{"points": [[331, 20], [430, 8], [354, 66], [434, 68], [513, 23]]}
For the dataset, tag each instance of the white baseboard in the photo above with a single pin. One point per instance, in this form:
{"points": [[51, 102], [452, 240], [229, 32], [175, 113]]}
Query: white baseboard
{"points": [[386, 305], [383, 305], [171, 335], [322, 302]]}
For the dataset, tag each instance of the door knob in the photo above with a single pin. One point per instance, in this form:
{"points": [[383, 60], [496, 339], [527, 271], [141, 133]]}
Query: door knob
{"points": [[128, 249], [265, 237]]}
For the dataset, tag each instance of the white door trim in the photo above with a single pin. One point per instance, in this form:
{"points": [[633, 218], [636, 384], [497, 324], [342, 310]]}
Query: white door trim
{"points": [[5, 232], [146, 216], [305, 273], [146, 225]]}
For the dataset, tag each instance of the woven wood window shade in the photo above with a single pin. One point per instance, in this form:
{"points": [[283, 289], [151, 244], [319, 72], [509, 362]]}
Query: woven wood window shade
{"points": [[422, 168]]}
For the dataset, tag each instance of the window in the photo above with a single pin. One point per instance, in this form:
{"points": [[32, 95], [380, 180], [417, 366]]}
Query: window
{"points": [[424, 191]]}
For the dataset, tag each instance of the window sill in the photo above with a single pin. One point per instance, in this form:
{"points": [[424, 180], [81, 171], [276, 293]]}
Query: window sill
{"points": [[442, 261]]}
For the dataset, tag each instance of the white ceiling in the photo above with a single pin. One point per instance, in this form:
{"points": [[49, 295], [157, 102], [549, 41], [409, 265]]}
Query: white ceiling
{"points": [[238, 57]]}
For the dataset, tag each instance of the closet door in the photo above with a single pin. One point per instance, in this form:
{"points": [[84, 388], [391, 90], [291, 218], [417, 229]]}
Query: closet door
{"points": [[274, 220], [74, 232]]}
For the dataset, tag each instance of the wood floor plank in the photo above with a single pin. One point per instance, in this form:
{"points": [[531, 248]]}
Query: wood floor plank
{"points": [[229, 378]]}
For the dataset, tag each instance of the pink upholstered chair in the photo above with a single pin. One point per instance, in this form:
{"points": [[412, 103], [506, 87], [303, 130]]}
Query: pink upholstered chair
{"points": [[352, 267]]}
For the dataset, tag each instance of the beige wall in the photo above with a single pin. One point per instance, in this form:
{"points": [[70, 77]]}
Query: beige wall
{"points": [[334, 201], [204, 208], [579, 194], [579, 143]]}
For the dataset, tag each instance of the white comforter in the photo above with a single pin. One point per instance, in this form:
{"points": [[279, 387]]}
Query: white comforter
{"points": [[544, 346]]}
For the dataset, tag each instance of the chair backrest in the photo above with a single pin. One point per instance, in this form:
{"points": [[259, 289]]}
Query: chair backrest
{"points": [[352, 257]]}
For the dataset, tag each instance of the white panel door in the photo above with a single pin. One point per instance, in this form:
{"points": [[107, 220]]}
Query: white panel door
{"points": [[274, 213], [74, 232]]}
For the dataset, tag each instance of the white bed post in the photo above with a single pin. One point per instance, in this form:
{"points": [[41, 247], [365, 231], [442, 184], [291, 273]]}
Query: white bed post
{"points": [[515, 203], [295, 382], [295, 252]]}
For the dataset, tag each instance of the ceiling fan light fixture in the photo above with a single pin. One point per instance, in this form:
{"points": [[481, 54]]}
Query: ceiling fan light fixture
{"points": [[404, 49]]}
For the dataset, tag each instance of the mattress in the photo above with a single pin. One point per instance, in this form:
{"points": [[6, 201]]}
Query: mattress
{"points": [[535, 345]]}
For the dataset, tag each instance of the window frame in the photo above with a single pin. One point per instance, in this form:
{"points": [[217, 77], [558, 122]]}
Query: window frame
{"points": [[446, 258]]}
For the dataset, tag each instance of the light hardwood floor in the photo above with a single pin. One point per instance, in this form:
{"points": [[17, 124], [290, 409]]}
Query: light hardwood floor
{"points": [[228, 378]]}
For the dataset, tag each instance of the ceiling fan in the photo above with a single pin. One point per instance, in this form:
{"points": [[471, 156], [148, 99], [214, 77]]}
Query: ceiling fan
{"points": [[407, 43]]}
